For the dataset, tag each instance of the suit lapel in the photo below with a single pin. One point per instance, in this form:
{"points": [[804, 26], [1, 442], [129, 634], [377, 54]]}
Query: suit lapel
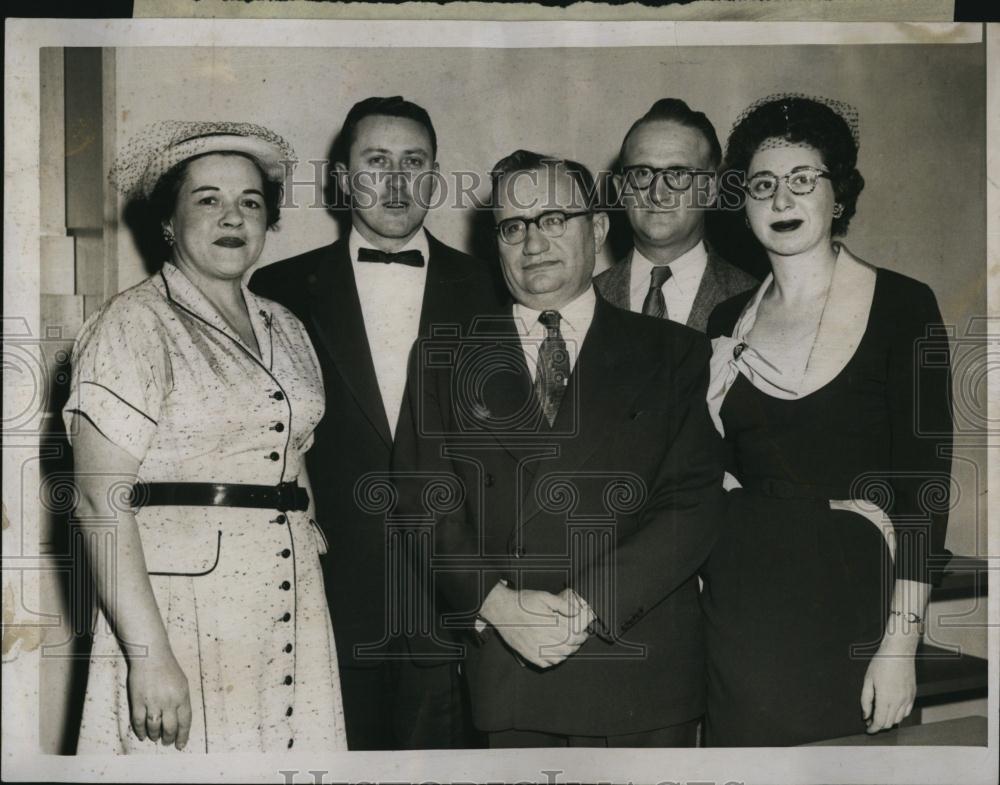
{"points": [[511, 413], [620, 275], [607, 377], [706, 298], [439, 290], [335, 310]]}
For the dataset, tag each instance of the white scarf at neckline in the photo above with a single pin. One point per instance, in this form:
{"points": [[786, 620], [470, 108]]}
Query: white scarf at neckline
{"points": [[841, 328]]}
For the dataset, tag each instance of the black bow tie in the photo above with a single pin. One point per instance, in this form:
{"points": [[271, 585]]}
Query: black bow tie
{"points": [[410, 258]]}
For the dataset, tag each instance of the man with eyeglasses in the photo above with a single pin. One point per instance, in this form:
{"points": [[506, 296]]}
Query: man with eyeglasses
{"points": [[666, 183], [590, 474]]}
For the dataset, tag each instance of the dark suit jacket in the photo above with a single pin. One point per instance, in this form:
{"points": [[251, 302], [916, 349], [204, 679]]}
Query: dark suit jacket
{"points": [[720, 281], [619, 500], [353, 439]]}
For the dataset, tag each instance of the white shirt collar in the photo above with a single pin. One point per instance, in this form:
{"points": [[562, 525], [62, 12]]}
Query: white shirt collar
{"points": [[686, 270], [418, 242], [574, 323], [576, 316]]}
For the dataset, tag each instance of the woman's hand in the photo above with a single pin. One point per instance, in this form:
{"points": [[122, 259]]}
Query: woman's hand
{"points": [[890, 687], [158, 699]]}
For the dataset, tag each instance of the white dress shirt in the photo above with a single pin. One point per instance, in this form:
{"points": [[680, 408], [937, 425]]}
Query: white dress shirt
{"points": [[391, 298], [680, 288], [573, 326]]}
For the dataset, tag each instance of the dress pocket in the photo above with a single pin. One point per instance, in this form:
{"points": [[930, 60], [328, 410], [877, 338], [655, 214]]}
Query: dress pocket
{"points": [[179, 540], [322, 545]]}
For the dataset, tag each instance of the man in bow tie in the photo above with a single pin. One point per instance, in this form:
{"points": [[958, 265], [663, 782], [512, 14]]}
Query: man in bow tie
{"points": [[667, 181], [364, 300], [590, 479]]}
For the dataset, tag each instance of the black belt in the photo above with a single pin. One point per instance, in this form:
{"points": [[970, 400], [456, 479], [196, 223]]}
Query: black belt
{"points": [[284, 497]]}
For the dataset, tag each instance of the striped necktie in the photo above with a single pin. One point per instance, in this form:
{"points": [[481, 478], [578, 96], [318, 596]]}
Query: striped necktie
{"points": [[654, 304]]}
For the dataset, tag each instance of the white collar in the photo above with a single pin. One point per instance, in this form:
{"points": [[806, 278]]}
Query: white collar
{"points": [[842, 326], [575, 316], [688, 266], [180, 289]]}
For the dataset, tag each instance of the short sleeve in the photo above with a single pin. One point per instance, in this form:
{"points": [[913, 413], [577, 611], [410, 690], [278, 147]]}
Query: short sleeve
{"points": [[308, 443], [919, 401], [120, 376]]}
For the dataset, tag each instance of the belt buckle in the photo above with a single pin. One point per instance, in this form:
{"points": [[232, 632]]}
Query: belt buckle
{"points": [[286, 496], [291, 497]]}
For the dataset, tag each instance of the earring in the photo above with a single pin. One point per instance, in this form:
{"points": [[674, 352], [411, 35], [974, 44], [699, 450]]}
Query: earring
{"points": [[168, 237], [838, 210], [746, 221]]}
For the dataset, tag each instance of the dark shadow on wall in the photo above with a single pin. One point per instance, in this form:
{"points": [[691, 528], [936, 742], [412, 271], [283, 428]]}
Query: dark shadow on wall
{"points": [[147, 234], [70, 569]]}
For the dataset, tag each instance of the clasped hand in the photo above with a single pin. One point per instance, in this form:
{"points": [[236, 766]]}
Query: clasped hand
{"points": [[543, 628]]}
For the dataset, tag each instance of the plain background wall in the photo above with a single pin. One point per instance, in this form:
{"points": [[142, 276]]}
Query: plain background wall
{"points": [[922, 140]]}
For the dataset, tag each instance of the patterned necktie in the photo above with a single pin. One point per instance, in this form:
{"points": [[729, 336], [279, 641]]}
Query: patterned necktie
{"points": [[654, 304], [552, 374], [409, 258]]}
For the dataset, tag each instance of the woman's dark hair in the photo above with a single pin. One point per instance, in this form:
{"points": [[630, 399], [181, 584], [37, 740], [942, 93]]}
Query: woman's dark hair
{"points": [[800, 121], [163, 199]]}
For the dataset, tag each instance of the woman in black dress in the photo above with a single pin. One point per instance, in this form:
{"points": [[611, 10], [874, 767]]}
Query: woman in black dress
{"points": [[831, 385]]}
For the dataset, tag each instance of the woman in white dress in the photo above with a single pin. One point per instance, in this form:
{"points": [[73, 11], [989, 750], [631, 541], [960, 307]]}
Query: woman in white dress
{"points": [[192, 403]]}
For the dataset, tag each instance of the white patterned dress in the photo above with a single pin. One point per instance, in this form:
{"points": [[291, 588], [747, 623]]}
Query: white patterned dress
{"points": [[161, 375]]}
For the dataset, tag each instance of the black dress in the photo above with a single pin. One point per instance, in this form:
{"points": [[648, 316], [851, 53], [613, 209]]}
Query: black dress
{"points": [[796, 594]]}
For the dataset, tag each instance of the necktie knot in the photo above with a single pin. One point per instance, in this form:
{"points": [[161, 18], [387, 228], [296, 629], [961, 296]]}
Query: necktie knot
{"points": [[659, 275], [550, 320], [655, 304]]}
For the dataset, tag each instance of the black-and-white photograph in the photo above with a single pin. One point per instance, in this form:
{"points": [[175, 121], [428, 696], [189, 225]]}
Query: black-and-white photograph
{"points": [[543, 402]]}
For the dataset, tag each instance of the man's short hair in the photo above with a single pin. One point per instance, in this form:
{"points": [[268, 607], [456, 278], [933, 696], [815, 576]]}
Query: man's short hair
{"points": [[392, 106], [675, 110], [528, 161]]}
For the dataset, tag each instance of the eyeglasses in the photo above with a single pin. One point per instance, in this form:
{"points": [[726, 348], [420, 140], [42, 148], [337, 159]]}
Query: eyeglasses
{"points": [[551, 223], [677, 178], [801, 181]]}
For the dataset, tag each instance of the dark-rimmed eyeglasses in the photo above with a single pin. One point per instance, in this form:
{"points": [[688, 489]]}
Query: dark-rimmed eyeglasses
{"points": [[801, 181], [551, 223], [677, 178]]}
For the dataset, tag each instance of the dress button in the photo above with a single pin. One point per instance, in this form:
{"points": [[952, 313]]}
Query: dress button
{"points": [[286, 553], [274, 456], [288, 679], [279, 519], [286, 617], [278, 426], [288, 712], [488, 481], [285, 585], [278, 395], [288, 648], [290, 743]]}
